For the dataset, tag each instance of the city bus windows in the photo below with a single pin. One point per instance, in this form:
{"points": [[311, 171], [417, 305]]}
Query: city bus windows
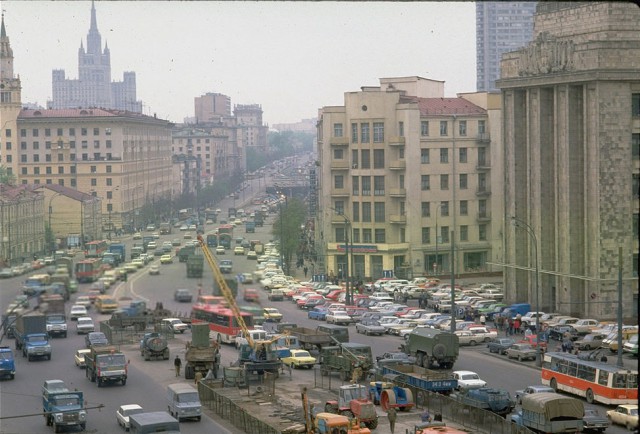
{"points": [[587, 373], [603, 378]]}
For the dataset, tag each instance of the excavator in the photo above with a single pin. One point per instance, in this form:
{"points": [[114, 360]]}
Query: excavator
{"points": [[256, 356]]}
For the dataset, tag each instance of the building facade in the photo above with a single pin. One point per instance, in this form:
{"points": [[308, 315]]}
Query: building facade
{"points": [[571, 104], [211, 107], [251, 131], [93, 87], [501, 26], [401, 170], [22, 230]]}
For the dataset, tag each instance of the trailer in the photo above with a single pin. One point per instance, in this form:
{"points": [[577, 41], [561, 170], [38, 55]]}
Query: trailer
{"points": [[311, 338], [420, 379]]}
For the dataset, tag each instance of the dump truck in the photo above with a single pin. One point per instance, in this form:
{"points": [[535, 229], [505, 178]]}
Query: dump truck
{"points": [[52, 305], [420, 379], [62, 407], [550, 413], [497, 401], [311, 339], [154, 346], [432, 347], [106, 364], [345, 359], [31, 335], [201, 354], [195, 266]]}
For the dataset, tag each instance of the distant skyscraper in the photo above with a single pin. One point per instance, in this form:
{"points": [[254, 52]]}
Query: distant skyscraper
{"points": [[500, 27], [94, 87]]}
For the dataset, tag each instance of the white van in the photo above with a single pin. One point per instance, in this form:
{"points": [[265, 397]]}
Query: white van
{"points": [[184, 401], [256, 335]]}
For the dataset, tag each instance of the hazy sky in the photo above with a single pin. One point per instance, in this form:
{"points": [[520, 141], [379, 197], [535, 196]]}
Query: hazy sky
{"points": [[290, 57]]}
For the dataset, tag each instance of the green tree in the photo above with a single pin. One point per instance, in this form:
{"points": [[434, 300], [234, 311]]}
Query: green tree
{"points": [[6, 177], [288, 228]]}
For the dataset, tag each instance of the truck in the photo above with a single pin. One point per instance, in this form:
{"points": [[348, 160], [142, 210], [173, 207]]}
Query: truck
{"points": [[7, 363], [260, 357], [548, 412], [212, 240], [259, 218], [353, 401], [311, 339], [154, 346], [420, 379], [195, 265], [257, 246], [231, 212], [201, 354], [497, 401], [165, 228], [250, 227], [106, 364], [185, 252], [31, 336], [225, 240], [120, 252], [52, 305], [345, 358], [432, 347], [62, 407], [137, 315]]}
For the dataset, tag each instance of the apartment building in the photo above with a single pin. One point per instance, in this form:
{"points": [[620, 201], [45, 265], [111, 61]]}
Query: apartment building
{"points": [[402, 170], [22, 233], [571, 101]]}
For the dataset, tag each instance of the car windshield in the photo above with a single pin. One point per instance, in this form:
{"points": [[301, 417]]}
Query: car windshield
{"points": [[470, 377], [633, 412], [303, 354], [188, 397], [5, 355], [67, 400]]}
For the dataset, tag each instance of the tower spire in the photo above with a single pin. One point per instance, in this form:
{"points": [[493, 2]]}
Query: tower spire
{"points": [[3, 32], [94, 21]]}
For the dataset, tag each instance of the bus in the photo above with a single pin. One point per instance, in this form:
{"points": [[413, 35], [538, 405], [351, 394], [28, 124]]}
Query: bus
{"points": [[211, 300], [212, 240], [225, 229], [89, 270], [597, 381], [95, 249], [222, 321]]}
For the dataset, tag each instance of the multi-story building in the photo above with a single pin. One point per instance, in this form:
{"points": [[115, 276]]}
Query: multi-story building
{"points": [[401, 170], [251, 133], [93, 87], [501, 26], [211, 107], [571, 110], [22, 232], [304, 126]]}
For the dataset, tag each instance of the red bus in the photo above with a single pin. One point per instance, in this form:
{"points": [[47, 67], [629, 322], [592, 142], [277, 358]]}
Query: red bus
{"points": [[225, 229], [211, 300], [89, 270], [95, 249], [595, 380], [223, 326]]}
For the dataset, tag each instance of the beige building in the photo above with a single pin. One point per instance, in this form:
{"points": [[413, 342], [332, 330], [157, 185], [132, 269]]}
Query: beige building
{"points": [[211, 107], [404, 167], [22, 231], [571, 107]]}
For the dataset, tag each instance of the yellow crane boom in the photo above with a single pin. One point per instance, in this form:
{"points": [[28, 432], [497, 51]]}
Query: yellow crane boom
{"points": [[224, 289]]}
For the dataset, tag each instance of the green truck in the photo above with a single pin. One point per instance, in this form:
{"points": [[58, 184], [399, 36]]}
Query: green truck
{"points": [[195, 265], [345, 358], [185, 252], [432, 347]]}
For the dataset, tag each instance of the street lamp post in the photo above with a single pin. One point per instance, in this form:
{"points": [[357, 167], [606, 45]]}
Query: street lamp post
{"points": [[348, 251], [524, 225]]}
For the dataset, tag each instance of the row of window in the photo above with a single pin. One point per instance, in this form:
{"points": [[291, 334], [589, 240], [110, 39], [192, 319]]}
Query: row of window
{"points": [[47, 132], [61, 171], [97, 156], [362, 211], [463, 182], [361, 133], [361, 185], [378, 235], [362, 158], [425, 156], [59, 144]]}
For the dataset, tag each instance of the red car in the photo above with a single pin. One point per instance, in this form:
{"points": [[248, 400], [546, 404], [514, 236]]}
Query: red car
{"points": [[251, 295], [533, 341], [333, 295]]}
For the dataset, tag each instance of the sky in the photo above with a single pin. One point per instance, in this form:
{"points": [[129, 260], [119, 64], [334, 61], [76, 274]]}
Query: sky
{"points": [[292, 58]]}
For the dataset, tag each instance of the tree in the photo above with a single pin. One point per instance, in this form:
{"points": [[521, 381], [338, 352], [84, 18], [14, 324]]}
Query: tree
{"points": [[6, 177], [288, 228]]}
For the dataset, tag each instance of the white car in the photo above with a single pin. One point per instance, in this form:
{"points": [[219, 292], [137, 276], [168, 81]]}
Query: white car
{"points": [[339, 317], [83, 300], [79, 357], [124, 411], [468, 380], [77, 311], [175, 324], [381, 296], [85, 325], [626, 415]]}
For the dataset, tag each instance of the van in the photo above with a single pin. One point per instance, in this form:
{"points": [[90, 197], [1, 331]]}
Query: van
{"points": [[515, 310], [256, 335], [106, 304], [153, 422], [340, 333], [184, 401]]}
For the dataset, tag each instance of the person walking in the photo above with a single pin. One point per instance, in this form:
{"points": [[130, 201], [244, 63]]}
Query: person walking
{"points": [[177, 363], [391, 415], [305, 270], [483, 319]]}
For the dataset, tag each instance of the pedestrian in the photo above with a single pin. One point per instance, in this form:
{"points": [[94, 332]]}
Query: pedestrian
{"points": [[483, 319], [425, 416], [391, 415], [177, 363], [305, 270], [510, 326], [198, 377], [516, 325]]}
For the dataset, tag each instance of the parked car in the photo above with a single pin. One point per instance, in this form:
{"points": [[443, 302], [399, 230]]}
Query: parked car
{"points": [[395, 357], [592, 341], [124, 411], [183, 295], [500, 345], [370, 327], [299, 359], [465, 337], [468, 380], [532, 389], [521, 352], [533, 341], [271, 314], [626, 415]]}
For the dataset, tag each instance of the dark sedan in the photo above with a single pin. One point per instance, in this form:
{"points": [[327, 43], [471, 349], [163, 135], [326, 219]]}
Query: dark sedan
{"points": [[95, 338], [182, 295], [500, 345], [594, 421], [395, 358]]}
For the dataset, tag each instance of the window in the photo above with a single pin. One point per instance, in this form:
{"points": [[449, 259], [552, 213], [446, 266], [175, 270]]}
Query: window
{"points": [[366, 212], [355, 186], [482, 127], [109, 181], [380, 236], [338, 206], [403, 210], [403, 235], [47, 157], [354, 159], [378, 132], [482, 232], [462, 155], [36, 158], [636, 186], [94, 182], [23, 158], [338, 154], [23, 132], [365, 159], [83, 131], [48, 170], [340, 234], [424, 128], [401, 129], [47, 144], [401, 152], [464, 207], [444, 209], [444, 182], [366, 236], [635, 146], [366, 185], [443, 128], [463, 181], [9, 158], [635, 104], [5, 97], [355, 235], [482, 182], [378, 208], [378, 185], [444, 155], [109, 195], [24, 169], [34, 132], [462, 128], [73, 182], [355, 214], [426, 235], [401, 181], [464, 233], [444, 234], [96, 131], [482, 207], [85, 144], [72, 144], [60, 157], [72, 131], [426, 209], [36, 171], [364, 133], [94, 169], [424, 183], [337, 130], [636, 222], [354, 133], [108, 169], [60, 170], [378, 158], [47, 132], [424, 156], [338, 182], [7, 132]]}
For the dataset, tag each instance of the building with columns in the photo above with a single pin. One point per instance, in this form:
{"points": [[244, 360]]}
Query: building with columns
{"points": [[571, 122]]}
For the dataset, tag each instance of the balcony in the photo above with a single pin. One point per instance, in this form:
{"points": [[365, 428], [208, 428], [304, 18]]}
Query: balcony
{"points": [[398, 219], [339, 165], [483, 138], [483, 166], [483, 217], [339, 141], [397, 192], [483, 192], [398, 165], [396, 141], [339, 192]]}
